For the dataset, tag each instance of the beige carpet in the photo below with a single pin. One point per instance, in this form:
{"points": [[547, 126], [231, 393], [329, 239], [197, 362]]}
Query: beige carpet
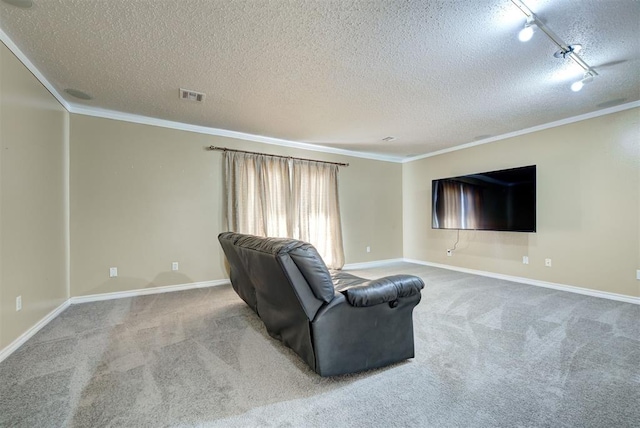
{"points": [[488, 353]]}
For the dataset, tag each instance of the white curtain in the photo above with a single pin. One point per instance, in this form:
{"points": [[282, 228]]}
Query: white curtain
{"points": [[316, 216], [258, 194], [279, 197]]}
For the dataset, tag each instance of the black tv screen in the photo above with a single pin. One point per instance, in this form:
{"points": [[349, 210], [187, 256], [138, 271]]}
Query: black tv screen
{"points": [[498, 200]]}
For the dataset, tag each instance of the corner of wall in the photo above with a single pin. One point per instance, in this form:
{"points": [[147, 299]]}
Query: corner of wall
{"points": [[67, 202], [34, 141], [1, 240]]}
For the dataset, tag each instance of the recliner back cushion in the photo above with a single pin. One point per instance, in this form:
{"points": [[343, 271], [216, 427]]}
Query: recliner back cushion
{"points": [[314, 271], [304, 255], [240, 280]]}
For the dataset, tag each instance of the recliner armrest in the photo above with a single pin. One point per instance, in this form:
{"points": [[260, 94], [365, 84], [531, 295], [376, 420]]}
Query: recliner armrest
{"points": [[382, 290]]}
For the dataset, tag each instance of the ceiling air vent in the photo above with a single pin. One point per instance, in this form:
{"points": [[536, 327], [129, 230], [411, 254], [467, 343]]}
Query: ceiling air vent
{"points": [[187, 95]]}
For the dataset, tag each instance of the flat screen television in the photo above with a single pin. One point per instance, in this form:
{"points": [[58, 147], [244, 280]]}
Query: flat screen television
{"points": [[502, 200]]}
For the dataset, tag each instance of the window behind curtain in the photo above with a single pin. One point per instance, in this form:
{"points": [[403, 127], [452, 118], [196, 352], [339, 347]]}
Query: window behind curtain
{"points": [[316, 216], [278, 197]]}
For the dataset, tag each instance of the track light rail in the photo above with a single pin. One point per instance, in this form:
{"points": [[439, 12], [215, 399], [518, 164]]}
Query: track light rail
{"points": [[566, 49]]}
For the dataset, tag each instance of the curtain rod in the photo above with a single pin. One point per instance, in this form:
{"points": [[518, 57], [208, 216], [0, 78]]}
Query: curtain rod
{"points": [[224, 149]]}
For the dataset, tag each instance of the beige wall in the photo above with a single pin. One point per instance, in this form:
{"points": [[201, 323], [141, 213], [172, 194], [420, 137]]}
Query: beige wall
{"points": [[588, 206], [33, 260], [144, 196]]}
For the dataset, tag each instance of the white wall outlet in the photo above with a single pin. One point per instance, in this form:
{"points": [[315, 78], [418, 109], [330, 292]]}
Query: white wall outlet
{"points": [[113, 272], [449, 253], [525, 260], [638, 274], [368, 249], [174, 266], [547, 262], [18, 303]]}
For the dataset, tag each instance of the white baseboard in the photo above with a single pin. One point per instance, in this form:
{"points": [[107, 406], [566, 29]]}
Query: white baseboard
{"points": [[538, 283], [146, 291], [369, 265], [9, 349]]}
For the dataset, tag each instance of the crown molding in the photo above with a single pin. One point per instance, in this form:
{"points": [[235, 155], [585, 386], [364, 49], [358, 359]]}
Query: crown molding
{"points": [[32, 68], [537, 128], [146, 120]]}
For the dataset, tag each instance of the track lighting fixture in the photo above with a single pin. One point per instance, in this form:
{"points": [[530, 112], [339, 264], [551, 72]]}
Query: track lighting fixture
{"points": [[565, 51]]}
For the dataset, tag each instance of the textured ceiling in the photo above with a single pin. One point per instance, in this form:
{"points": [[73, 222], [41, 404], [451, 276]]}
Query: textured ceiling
{"points": [[342, 74]]}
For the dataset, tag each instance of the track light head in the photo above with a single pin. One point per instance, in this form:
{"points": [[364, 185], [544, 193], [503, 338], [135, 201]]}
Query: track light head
{"points": [[578, 85], [527, 32]]}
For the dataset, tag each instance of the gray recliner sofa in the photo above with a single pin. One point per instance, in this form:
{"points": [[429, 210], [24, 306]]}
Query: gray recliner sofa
{"points": [[336, 322]]}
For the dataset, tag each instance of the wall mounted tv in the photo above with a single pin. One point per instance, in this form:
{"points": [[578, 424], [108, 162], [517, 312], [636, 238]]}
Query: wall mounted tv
{"points": [[502, 200]]}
